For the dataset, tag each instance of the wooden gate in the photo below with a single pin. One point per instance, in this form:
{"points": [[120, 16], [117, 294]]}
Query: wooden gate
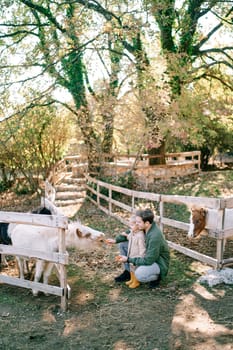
{"points": [[61, 257]]}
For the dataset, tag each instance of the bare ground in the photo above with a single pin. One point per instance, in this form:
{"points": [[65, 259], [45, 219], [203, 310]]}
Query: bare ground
{"points": [[180, 314]]}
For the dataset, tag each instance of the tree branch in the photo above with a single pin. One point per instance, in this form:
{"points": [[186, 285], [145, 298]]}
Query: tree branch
{"points": [[206, 38], [213, 76], [45, 12]]}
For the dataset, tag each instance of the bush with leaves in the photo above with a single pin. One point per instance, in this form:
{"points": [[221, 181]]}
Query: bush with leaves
{"points": [[32, 143]]}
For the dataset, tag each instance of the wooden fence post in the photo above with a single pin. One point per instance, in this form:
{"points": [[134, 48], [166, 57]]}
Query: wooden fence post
{"points": [[133, 202], [110, 201], [161, 208], [98, 194], [62, 270]]}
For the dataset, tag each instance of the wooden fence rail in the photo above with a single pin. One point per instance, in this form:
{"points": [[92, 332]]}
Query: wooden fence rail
{"points": [[219, 218], [76, 164], [61, 257]]}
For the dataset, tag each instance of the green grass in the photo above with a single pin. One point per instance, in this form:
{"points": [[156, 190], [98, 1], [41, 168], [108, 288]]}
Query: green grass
{"points": [[205, 184]]}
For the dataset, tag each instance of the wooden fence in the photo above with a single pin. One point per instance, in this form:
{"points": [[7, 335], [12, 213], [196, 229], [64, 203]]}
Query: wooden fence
{"points": [[219, 218], [61, 257], [177, 164]]}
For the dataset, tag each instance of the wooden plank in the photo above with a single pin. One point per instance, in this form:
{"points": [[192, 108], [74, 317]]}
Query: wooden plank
{"points": [[227, 202], [110, 201], [183, 154], [62, 270], [122, 205], [193, 254], [147, 195], [103, 184], [202, 202], [91, 199], [228, 232], [221, 234], [174, 223], [105, 210], [32, 285], [91, 179], [45, 202], [34, 219], [59, 258], [137, 194], [227, 262], [216, 234], [91, 189], [120, 190], [103, 197]]}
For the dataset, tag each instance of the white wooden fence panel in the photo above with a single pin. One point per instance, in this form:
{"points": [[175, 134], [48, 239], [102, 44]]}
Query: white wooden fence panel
{"points": [[34, 219], [200, 202], [58, 222], [228, 220], [45, 288], [193, 254], [57, 258]]}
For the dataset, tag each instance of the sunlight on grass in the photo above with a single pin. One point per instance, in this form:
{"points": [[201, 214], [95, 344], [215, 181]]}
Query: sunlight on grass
{"points": [[74, 324], [70, 327], [193, 321], [121, 345], [48, 317], [114, 294], [206, 184], [84, 297], [203, 292]]}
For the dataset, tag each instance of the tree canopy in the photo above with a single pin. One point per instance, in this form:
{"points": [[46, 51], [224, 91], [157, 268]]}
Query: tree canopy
{"points": [[166, 64]]}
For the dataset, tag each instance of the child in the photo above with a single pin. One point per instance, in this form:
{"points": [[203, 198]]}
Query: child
{"points": [[136, 247]]}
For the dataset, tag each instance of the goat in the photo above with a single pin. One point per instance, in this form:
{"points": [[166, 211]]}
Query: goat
{"points": [[46, 239]]}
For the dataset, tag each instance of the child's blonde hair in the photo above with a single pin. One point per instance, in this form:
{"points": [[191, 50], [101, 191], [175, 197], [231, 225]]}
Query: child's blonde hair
{"points": [[132, 218]]}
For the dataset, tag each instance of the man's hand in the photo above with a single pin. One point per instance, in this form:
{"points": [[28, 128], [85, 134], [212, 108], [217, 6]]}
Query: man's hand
{"points": [[110, 241], [121, 258]]}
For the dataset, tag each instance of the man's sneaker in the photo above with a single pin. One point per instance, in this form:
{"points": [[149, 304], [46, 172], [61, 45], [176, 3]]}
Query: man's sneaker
{"points": [[125, 276], [155, 283]]}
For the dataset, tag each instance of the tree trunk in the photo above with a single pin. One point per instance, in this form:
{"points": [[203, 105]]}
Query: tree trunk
{"points": [[106, 148], [158, 151]]}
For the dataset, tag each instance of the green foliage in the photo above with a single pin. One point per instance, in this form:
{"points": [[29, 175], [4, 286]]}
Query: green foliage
{"points": [[32, 143], [3, 186], [176, 212], [61, 46], [22, 188], [122, 180], [201, 122]]}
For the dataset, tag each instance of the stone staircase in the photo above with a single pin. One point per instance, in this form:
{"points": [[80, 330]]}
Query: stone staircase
{"points": [[70, 193]]}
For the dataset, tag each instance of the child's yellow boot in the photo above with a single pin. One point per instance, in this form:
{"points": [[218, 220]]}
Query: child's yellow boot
{"points": [[131, 279], [135, 282]]}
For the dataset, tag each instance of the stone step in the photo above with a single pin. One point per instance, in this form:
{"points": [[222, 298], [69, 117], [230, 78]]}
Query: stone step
{"points": [[74, 180], [70, 187], [68, 202], [70, 195]]}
